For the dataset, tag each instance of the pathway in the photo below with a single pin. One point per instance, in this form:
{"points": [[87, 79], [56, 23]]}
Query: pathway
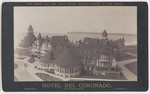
{"points": [[126, 72], [21, 72]]}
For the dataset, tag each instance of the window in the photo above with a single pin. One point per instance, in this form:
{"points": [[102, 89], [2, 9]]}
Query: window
{"points": [[112, 69], [76, 70], [89, 51], [86, 62], [44, 65], [66, 76], [94, 51], [97, 73], [60, 70], [84, 56], [90, 68], [87, 68], [71, 70], [82, 51]]}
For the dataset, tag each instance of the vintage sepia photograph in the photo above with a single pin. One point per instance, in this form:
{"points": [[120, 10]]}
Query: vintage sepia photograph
{"points": [[75, 43]]}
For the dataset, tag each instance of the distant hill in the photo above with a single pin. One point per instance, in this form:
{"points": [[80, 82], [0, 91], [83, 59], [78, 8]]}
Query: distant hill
{"points": [[122, 34]]}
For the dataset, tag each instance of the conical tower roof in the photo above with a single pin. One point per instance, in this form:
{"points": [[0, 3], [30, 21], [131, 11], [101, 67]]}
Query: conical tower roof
{"points": [[104, 34], [28, 40], [69, 57], [30, 29]]}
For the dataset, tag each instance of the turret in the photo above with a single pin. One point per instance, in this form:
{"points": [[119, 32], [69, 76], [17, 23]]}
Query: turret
{"points": [[30, 29], [29, 39], [104, 34]]}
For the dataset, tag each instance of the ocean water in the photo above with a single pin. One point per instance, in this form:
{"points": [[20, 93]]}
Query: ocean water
{"points": [[129, 39]]}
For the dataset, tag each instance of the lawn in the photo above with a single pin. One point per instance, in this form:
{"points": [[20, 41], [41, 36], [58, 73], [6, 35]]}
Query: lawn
{"points": [[131, 48], [123, 57], [132, 67]]}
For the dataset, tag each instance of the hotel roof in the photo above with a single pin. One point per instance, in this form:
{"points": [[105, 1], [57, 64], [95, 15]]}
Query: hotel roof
{"points": [[70, 57], [28, 40], [47, 58], [59, 40], [104, 34], [89, 46], [30, 29], [55, 52], [106, 50]]}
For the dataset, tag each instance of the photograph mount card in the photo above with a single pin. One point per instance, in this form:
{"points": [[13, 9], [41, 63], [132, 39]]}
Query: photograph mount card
{"points": [[75, 46]]}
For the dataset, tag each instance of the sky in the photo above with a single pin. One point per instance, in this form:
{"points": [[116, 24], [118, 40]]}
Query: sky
{"points": [[63, 19]]}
